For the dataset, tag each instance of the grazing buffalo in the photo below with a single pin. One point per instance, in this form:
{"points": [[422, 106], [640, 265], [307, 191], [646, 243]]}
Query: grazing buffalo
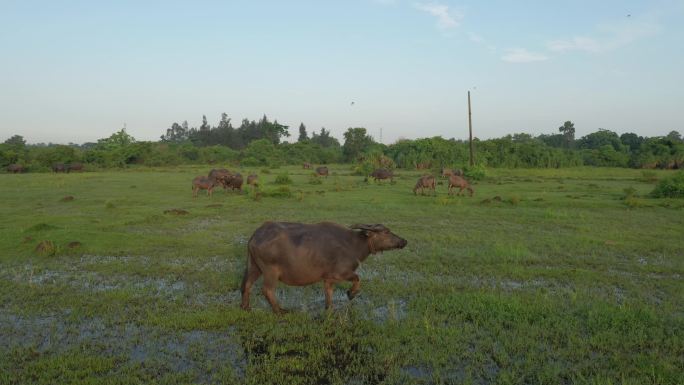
{"points": [[234, 182], [74, 167], [447, 172], [302, 254], [322, 171], [252, 179], [220, 176], [15, 168], [461, 183], [60, 167], [203, 183], [382, 173], [215, 173], [425, 181], [306, 165]]}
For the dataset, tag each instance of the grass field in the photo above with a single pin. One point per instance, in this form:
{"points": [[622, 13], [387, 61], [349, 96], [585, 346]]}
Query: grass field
{"points": [[543, 277]]}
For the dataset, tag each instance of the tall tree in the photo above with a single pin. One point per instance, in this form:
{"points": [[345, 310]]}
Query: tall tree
{"points": [[324, 139], [176, 134], [303, 137], [674, 136], [631, 140], [16, 141], [356, 142], [568, 131]]}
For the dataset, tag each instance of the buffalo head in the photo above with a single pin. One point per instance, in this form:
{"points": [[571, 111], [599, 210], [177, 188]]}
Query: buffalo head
{"points": [[380, 238]]}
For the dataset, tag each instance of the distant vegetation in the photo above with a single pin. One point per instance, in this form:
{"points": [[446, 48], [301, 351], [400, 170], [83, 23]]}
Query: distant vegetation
{"points": [[263, 143]]}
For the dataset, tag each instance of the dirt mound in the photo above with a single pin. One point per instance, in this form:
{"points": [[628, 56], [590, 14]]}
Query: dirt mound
{"points": [[46, 247]]}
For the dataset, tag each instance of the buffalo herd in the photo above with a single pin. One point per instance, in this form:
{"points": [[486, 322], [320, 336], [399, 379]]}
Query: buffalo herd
{"points": [[221, 177]]}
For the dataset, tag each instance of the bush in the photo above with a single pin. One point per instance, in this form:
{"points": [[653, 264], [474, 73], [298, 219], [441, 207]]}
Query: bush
{"points": [[672, 187], [476, 172], [629, 193], [280, 192], [283, 179], [314, 179], [364, 168]]}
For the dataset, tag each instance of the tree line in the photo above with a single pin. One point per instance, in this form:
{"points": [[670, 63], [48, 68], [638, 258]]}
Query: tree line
{"points": [[267, 143]]}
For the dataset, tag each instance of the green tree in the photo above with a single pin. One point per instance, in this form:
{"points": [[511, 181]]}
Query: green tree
{"points": [[356, 142], [324, 139], [118, 139], [16, 141], [631, 140], [674, 136], [600, 138], [303, 137], [176, 134], [568, 132]]}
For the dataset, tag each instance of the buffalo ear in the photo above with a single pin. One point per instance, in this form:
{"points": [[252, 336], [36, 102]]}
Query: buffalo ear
{"points": [[375, 228]]}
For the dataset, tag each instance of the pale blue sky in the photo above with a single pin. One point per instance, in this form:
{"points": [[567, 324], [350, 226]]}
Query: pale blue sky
{"points": [[75, 71]]}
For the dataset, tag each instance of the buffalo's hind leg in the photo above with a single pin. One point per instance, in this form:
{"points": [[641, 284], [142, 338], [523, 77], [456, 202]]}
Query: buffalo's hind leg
{"points": [[252, 273], [268, 289]]}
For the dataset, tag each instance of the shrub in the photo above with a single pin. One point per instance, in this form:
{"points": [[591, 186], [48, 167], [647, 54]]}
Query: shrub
{"points": [[364, 168], [280, 192], [283, 179], [632, 202], [629, 193], [314, 179], [476, 172], [672, 187]]}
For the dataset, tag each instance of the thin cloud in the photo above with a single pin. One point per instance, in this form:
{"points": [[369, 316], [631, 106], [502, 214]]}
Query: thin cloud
{"points": [[446, 18], [578, 43], [612, 36], [475, 38], [521, 55]]}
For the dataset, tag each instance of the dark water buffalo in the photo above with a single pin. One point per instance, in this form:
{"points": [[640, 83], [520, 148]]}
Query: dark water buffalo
{"points": [[220, 176], [59, 167], [203, 183], [234, 182], [215, 173], [425, 181], [15, 168], [302, 254], [74, 167], [461, 183], [383, 173], [322, 171], [252, 179], [306, 165], [447, 172]]}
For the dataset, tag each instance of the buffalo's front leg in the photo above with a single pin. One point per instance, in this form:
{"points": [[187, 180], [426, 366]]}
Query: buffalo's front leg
{"points": [[328, 286], [356, 284]]}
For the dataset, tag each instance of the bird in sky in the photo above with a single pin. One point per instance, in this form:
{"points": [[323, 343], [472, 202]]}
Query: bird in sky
{"points": [[352, 103]]}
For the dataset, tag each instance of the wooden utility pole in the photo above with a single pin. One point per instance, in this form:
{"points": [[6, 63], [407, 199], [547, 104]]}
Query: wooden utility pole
{"points": [[470, 129]]}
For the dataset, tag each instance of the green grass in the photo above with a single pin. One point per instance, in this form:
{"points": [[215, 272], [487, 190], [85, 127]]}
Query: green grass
{"points": [[543, 277]]}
